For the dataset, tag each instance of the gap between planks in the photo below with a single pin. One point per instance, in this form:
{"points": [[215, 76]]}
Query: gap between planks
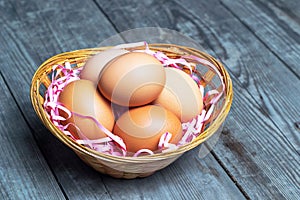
{"points": [[32, 131], [259, 39]]}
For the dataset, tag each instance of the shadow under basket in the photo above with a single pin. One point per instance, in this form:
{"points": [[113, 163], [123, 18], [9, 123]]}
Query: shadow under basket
{"points": [[212, 78]]}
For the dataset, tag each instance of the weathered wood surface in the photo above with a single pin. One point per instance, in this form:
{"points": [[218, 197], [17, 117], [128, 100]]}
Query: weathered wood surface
{"points": [[31, 32], [257, 155], [23, 170], [261, 146], [275, 24], [76, 179]]}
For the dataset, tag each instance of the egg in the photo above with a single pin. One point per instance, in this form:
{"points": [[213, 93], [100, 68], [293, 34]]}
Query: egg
{"points": [[94, 65], [142, 127], [133, 79], [82, 97], [181, 95]]}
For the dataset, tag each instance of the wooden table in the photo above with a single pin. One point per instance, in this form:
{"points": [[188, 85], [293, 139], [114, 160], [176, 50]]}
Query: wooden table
{"points": [[257, 154]]}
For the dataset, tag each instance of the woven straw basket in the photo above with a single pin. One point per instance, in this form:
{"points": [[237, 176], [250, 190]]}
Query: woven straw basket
{"points": [[133, 167]]}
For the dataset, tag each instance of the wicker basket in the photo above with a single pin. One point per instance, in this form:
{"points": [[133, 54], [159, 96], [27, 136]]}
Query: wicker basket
{"points": [[132, 167]]}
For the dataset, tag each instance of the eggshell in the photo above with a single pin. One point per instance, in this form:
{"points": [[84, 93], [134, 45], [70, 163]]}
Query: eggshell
{"points": [[94, 65], [82, 97], [133, 79], [142, 127], [181, 95]]}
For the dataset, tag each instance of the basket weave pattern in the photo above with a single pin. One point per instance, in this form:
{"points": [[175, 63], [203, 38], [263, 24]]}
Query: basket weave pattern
{"points": [[132, 167]]}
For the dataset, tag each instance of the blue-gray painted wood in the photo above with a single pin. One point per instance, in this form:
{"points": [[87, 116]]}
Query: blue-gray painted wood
{"points": [[257, 155], [190, 177], [34, 22], [31, 32], [275, 23], [260, 146], [24, 173]]}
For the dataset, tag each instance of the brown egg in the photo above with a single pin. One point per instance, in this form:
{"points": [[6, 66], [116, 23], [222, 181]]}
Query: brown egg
{"points": [[82, 97], [96, 63], [142, 127], [133, 79], [181, 95]]}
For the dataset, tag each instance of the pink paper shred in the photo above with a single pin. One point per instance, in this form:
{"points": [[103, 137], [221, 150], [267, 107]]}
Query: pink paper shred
{"points": [[112, 144]]}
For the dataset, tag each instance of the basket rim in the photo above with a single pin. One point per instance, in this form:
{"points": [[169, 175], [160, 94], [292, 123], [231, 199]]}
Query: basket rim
{"points": [[34, 92]]}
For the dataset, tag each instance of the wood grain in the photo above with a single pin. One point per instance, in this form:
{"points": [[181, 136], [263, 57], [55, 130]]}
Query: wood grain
{"points": [[228, 36], [259, 148], [264, 142], [23, 170], [275, 23], [188, 178], [39, 30], [288, 7], [31, 32], [262, 76], [262, 151], [256, 153]]}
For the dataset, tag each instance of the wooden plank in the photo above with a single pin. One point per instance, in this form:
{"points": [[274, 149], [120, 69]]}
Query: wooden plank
{"points": [[268, 82], [288, 7], [261, 148], [190, 177], [32, 31], [23, 170], [266, 129], [232, 42], [275, 23], [256, 154], [77, 180]]}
